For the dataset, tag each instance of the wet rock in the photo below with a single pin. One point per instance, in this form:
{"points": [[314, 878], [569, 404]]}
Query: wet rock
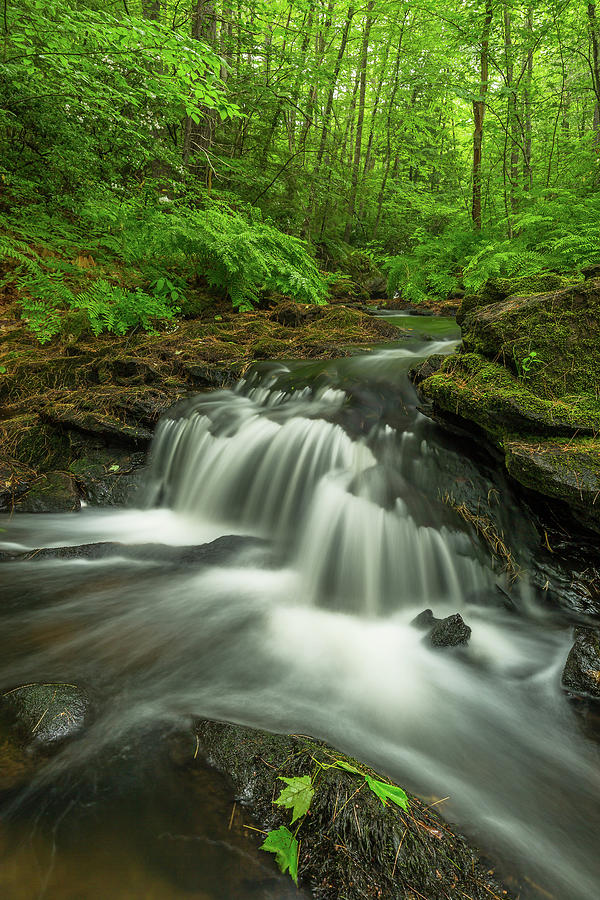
{"points": [[108, 477], [351, 847], [581, 674], [449, 632], [567, 470], [44, 715], [424, 620], [53, 492], [230, 550], [425, 369]]}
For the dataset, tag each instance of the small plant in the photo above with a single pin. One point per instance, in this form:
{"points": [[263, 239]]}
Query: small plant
{"points": [[298, 795], [525, 365]]}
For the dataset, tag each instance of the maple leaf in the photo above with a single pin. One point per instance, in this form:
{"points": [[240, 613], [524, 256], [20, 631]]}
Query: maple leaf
{"points": [[285, 847], [296, 796]]}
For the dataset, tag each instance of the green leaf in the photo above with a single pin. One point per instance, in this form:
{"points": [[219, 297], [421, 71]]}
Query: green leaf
{"points": [[285, 847], [296, 796], [387, 792]]}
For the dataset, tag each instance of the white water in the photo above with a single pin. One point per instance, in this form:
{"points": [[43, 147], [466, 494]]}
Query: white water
{"points": [[317, 638]]}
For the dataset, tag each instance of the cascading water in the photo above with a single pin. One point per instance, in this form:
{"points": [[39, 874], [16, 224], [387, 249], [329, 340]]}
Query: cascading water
{"points": [[334, 484]]}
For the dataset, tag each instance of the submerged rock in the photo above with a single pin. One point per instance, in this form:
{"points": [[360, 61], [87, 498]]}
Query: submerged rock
{"points": [[581, 674], [35, 719], [44, 714]]}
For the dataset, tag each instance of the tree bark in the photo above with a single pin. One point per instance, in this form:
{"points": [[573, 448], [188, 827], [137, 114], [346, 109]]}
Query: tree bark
{"points": [[198, 137], [479, 113], [359, 122]]}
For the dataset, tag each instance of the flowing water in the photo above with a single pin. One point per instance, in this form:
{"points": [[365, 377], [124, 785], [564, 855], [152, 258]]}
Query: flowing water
{"points": [[335, 485]]}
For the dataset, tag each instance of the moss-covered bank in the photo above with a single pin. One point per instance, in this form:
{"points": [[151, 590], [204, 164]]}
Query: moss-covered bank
{"points": [[528, 377], [78, 413]]}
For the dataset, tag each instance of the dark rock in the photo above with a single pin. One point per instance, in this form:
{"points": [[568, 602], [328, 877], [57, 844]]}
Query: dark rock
{"points": [[591, 271], [224, 550], [108, 477], [44, 715], [107, 427], [376, 287], [449, 632], [567, 470], [424, 620], [354, 849], [581, 674], [54, 492], [426, 368]]}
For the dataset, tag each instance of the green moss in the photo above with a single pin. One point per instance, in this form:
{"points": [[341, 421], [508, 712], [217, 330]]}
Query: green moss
{"points": [[567, 470], [562, 328], [497, 289], [487, 394]]}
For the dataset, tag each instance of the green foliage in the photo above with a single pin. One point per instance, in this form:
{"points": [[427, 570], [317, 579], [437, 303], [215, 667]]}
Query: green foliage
{"points": [[285, 847], [296, 796], [525, 365], [387, 792]]}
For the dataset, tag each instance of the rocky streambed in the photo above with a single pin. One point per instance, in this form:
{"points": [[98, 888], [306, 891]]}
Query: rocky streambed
{"points": [[277, 574]]}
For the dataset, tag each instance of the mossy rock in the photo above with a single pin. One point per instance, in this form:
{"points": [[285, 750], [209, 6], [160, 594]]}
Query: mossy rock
{"points": [[564, 470], [107, 477], [35, 720], [497, 289], [488, 395], [49, 493], [561, 328], [581, 674], [351, 846]]}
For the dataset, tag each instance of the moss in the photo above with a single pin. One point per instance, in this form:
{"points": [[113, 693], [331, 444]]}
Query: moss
{"points": [[566, 470], [498, 289], [485, 393], [562, 328], [351, 845]]}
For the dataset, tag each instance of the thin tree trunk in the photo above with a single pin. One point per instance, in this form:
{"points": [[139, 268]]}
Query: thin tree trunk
{"points": [[359, 123], [527, 168], [479, 113], [198, 137]]}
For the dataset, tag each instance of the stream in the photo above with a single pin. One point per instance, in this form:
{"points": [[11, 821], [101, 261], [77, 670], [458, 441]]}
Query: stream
{"points": [[334, 496]]}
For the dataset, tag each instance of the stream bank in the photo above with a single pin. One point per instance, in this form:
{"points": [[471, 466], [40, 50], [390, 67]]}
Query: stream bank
{"points": [[77, 415]]}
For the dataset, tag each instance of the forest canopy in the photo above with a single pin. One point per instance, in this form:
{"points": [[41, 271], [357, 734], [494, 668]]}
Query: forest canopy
{"points": [[251, 144]]}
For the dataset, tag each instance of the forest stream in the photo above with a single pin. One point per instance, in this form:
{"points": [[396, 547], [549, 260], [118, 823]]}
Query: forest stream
{"points": [[329, 486]]}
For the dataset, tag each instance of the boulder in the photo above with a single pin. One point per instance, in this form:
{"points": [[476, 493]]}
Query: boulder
{"points": [[528, 378], [581, 674], [449, 632], [44, 715], [49, 493], [352, 846]]}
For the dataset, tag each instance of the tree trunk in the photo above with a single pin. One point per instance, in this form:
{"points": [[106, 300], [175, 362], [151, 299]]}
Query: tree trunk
{"points": [[479, 113], [527, 169], [359, 122], [198, 136]]}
